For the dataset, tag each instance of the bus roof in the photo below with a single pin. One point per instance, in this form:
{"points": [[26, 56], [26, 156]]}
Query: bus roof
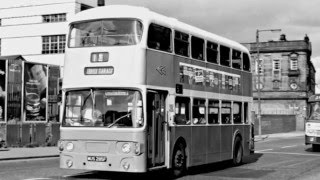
{"points": [[314, 98], [144, 14]]}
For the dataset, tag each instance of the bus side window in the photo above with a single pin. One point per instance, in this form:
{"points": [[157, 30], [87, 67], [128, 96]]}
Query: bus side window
{"points": [[199, 111], [182, 111], [237, 112], [212, 52], [246, 62], [159, 38], [181, 43], [236, 59], [245, 113], [197, 48], [213, 112], [224, 56], [226, 112]]}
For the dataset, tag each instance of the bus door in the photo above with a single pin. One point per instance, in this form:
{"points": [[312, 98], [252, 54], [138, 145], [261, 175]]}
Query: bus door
{"points": [[156, 127]]}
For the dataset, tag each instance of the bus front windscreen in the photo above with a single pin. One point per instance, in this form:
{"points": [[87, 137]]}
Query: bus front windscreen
{"points": [[315, 111], [109, 32], [103, 108]]}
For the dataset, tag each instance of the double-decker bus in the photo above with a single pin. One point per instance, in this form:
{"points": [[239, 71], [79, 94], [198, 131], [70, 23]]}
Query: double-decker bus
{"points": [[312, 126], [142, 91]]}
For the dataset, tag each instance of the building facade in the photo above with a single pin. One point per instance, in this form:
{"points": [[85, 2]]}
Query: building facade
{"points": [[37, 29], [33, 36], [287, 79]]}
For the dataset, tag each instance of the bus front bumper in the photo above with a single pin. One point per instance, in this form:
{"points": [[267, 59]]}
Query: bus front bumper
{"points": [[312, 140]]}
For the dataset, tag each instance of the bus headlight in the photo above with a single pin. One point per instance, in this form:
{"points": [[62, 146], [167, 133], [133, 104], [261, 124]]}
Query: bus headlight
{"points": [[126, 148], [70, 146]]}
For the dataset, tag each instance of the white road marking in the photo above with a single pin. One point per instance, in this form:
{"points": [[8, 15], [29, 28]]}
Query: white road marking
{"points": [[36, 178], [263, 150], [289, 146], [300, 154]]}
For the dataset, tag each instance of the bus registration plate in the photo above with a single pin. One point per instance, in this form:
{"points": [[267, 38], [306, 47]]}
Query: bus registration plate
{"points": [[97, 158]]}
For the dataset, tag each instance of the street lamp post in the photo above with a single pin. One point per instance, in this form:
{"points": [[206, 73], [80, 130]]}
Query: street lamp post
{"points": [[259, 85]]}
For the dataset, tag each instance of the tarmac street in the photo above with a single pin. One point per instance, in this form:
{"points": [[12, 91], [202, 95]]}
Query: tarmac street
{"points": [[277, 156]]}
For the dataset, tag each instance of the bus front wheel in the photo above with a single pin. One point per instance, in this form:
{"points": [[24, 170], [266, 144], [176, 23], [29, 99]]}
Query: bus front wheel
{"points": [[237, 152], [179, 160]]}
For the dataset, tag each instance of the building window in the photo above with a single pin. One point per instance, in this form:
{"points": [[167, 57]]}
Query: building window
{"points": [[53, 44], [276, 67], [0, 47], [54, 18], [259, 67], [294, 62]]}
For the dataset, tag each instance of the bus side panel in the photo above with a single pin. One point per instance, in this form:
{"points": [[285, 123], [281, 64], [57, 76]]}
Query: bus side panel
{"points": [[160, 71], [226, 141], [198, 148], [182, 132], [246, 140], [246, 84], [213, 143]]}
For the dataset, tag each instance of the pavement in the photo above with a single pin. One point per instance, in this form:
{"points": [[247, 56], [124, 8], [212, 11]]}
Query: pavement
{"points": [[53, 151]]}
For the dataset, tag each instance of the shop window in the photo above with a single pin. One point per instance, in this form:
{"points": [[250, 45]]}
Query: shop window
{"points": [[199, 111], [213, 112], [181, 43], [159, 38], [226, 112], [53, 44], [212, 52], [224, 56], [182, 111], [237, 112], [246, 62], [236, 59], [197, 48]]}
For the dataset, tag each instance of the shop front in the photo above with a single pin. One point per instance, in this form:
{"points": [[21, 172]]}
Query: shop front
{"points": [[29, 105]]}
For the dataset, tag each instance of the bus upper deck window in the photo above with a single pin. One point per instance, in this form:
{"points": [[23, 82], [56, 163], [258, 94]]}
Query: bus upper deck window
{"points": [[236, 59], [246, 62], [181, 43], [212, 52], [197, 48], [109, 32], [224, 56], [159, 38]]}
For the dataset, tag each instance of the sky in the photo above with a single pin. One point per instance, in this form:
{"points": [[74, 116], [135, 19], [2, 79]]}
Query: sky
{"points": [[239, 19]]}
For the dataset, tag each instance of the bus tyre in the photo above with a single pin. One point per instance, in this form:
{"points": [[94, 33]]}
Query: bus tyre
{"points": [[315, 147], [237, 152], [179, 160]]}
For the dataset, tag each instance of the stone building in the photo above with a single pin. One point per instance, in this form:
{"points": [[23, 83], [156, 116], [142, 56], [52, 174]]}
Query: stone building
{"points": [[287, 79]]}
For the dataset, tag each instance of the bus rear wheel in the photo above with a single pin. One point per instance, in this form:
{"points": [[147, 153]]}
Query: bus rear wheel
{"points": [[315, 147], [179, 160], [237, 152]]}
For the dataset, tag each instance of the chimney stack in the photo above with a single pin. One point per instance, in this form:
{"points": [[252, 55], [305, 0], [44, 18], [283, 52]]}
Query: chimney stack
{"points": [[283, 37], [101, 2]]}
